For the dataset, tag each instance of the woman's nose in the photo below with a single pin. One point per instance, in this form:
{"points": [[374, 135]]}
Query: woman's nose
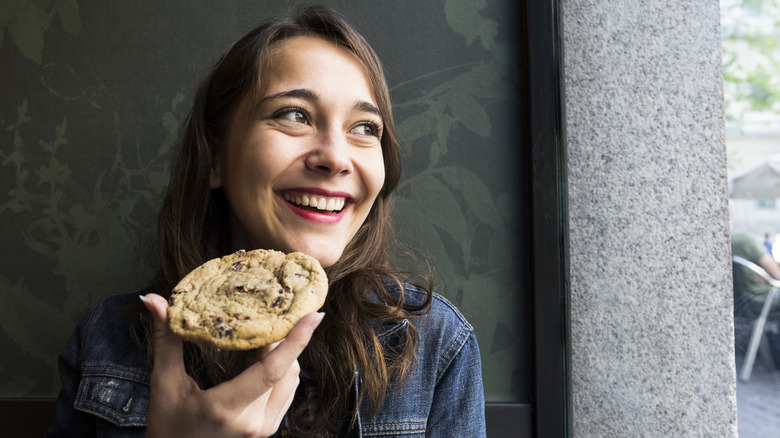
{"points": [[330, 155]]}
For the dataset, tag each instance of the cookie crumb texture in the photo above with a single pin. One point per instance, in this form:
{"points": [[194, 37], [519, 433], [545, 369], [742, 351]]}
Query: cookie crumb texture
{"points": [[247, 299]]}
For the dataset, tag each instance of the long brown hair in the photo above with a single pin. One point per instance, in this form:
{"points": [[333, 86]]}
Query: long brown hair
{"points": [[194, 227]]}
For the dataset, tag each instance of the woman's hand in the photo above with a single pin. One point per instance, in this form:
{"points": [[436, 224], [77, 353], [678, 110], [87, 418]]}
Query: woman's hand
{"points": [[250, 405]]}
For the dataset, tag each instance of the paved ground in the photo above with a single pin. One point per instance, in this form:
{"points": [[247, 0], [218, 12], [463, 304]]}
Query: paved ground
{"points": [[758, 400]]}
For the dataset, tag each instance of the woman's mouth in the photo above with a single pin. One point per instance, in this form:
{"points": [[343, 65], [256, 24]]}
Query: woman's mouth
{"points": [[317, 203]]}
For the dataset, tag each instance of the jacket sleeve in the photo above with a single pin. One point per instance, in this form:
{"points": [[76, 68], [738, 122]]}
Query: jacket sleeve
{"points": [[458, 407], [69, 422]]}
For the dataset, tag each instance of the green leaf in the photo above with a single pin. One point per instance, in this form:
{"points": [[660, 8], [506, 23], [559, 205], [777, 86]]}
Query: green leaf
{"points": [[434, 152], [27, 29], [416, 230], [31, 322], [463, 17], [55, 173], [470, 112], [21, 118], [39, 247], [20, 201], [477, 196], [60, 139], [68, 11], [485, 81], [501, 251], [441, 209], [443, 128], [415, 127], [17, 157]]}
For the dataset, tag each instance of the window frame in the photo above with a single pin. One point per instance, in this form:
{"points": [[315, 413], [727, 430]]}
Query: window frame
{"points": [[540, 60]]}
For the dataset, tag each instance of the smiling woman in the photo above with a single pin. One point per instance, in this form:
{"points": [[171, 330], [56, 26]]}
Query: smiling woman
{"points": [[312, 142], [290, 145]]}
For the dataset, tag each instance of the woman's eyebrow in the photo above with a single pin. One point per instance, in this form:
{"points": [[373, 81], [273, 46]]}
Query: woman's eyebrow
{"points": [[307, 94], [300, 93], [368, 107]]}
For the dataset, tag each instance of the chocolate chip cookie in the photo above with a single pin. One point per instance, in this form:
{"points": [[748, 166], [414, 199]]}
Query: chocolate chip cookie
{"points": [[247, 299]]}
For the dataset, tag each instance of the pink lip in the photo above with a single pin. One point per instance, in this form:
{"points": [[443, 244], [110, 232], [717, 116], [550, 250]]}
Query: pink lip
{"points": [[323, 218], [321, 192], [315, 216]]}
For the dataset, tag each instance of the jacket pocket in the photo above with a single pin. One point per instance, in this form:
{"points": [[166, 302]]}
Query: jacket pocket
{"points": [[406, 429], [114, 397]]}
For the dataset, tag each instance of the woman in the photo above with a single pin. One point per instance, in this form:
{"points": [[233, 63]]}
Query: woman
{"points": [[290, 145]]}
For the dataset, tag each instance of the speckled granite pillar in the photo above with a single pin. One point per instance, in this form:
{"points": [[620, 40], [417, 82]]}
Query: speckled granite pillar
{"points": [[651, 319]]}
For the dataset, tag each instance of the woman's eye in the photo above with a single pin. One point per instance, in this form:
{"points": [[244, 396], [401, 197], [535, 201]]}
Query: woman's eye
{"points": [[367, 129], [293, 115]]}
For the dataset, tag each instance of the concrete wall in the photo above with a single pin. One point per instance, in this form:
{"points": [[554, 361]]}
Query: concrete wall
{"points": [[651, 318]]}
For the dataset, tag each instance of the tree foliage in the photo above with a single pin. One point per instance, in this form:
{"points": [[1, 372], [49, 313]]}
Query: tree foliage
{"points": [[751, 57]]}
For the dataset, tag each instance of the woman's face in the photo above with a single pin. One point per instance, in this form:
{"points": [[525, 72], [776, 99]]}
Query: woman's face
{"points": [[301, 163]]}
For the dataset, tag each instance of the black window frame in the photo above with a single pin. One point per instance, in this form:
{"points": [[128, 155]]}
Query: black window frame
{"points": [[540, 65], [549, 219]]}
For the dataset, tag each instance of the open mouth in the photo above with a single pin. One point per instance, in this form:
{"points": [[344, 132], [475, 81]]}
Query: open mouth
{"points": [[316, 203]]}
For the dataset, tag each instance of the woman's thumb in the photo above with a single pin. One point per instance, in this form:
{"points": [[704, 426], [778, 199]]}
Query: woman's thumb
{"points": [[168, 349]]}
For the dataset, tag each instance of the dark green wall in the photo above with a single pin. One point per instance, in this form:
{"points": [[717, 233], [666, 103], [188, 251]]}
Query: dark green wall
{"points": [[94, 93]]}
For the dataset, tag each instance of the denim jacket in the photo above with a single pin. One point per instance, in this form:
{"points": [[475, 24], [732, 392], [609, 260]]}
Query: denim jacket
{"points": [[105, 379]]}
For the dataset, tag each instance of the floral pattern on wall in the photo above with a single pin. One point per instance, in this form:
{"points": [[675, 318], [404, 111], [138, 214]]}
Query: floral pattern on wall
{"points": [[96, 93]]}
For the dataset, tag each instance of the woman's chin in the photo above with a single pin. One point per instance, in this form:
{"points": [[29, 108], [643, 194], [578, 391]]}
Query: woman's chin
{"points": [[327, 255], [326, 260]]}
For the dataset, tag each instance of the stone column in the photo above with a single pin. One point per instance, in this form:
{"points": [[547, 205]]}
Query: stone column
{"points": [[651, 298]]}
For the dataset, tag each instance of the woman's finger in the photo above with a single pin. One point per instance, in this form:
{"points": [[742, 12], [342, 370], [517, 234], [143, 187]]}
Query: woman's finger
{"points": [[168, 349], [282, 395], [168, 374], [272, 406], [263, 375], [262, 352]]}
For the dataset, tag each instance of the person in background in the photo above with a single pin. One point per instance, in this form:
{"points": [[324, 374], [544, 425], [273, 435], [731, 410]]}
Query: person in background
{"points": [[767, 243], [750, 289]]}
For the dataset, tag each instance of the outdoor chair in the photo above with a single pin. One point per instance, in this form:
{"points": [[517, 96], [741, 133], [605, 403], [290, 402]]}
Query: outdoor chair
{"points": [[759, 323]]}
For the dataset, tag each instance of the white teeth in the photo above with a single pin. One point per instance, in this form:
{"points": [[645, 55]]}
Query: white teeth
{"points": [[321, 203]]}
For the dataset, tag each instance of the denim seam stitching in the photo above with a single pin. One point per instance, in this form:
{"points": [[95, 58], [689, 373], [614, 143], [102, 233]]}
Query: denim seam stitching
{"points": [[449, 355], [121, 373]]}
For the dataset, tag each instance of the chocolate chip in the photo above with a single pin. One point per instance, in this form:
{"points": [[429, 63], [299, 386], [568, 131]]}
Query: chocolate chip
{"points": [[224, 330], [280, 302], [237, 266]]}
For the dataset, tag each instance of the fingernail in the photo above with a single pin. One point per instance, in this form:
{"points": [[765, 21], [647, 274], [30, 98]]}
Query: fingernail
{"points": [[317, 320], [144, 299]]}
